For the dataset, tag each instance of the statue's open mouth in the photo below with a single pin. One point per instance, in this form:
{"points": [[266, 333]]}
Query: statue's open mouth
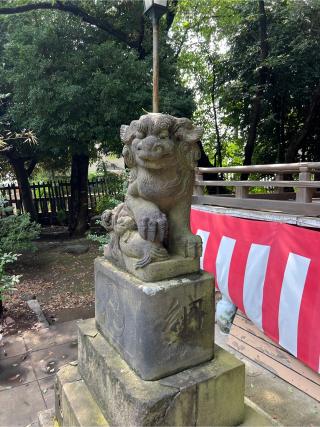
{"points": [[153, 156]]}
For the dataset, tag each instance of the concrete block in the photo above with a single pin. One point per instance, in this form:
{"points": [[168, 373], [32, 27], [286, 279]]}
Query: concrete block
{"points": [[19, 405], [209, 394], [159, 328]]}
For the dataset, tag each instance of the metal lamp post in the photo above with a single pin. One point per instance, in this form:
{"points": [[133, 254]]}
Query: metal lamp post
{"points": [[155, 9]]}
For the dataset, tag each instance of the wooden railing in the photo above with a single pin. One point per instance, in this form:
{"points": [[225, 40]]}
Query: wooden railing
{"points": [[297, 195]]}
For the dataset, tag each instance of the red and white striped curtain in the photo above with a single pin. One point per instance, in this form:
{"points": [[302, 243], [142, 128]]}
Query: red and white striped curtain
{"points": [[271, 271]]}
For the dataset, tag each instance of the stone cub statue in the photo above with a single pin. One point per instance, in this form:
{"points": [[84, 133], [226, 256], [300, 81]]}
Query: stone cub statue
{"points": [[153, 222]]}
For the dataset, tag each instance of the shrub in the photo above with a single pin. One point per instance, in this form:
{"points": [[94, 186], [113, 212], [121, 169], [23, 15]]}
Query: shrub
{"points": [[106, 202], [5, 209], [116, 190], [102, 239], [8, 282], [17, 233], [115, 184], [62, 217]]}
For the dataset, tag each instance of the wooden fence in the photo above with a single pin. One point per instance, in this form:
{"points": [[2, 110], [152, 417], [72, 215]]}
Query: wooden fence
{"points": [[53, 197], [298, 195]]}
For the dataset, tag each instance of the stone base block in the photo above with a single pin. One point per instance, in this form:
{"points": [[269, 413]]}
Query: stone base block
{"points": [[46, 418], [211, 394], [75, 405], [159, 328], [253, 417], [68, 374]]}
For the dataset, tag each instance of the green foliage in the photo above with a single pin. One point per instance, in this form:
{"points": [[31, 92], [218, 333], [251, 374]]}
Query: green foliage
{"points": [[8, 282], [62, 217], [106, 202], [17, 233], [74, 85], [5, 209], [101, 239], [115, 184], [218, 42]]}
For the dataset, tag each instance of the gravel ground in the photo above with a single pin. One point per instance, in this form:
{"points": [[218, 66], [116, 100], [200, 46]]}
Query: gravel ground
{"points": [[63, 284]]}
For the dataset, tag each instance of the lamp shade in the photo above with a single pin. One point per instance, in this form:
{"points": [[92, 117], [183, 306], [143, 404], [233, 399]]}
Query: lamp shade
{"points": [[155, 8]]}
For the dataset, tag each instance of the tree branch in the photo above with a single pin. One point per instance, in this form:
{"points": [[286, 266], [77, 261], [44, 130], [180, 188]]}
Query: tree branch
{"points": [[72, 8], [171, 13]]}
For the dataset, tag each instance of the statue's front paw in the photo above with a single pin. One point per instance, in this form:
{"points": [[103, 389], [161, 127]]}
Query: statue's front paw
{"points": [[190, 246], [153, 227]]}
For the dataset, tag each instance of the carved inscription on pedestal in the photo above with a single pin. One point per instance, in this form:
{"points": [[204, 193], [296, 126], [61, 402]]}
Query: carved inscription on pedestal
{"points": [[183, 321], [111, 306]]}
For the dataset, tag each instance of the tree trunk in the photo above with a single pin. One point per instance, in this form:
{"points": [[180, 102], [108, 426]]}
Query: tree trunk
{"points": [[78, 210], [256, 101], [18, 166], [215, 117], [204, 162], [252, 133], [313, 115]]}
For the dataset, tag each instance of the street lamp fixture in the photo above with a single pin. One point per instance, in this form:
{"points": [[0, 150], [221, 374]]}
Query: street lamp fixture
{"points": [[155, 9]]}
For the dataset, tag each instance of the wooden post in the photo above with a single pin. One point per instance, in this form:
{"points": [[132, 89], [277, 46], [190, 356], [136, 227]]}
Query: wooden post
{"points": [[279, 177], [155, 95], [242, 192], [197, 189], [304, 195]]}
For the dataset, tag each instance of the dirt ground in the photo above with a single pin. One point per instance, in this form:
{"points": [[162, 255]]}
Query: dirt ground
{"points": [[63, 284]]}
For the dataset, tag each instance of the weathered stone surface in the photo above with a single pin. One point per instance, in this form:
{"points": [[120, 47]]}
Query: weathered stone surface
{"points": [[152, 225], [159, 328], [209, 394], [79, 408], [35, 307], [67, 374], [75, 405], [46, 418], [255, 416], [76, 249], [214, 391], [161, 270], [173, 267]]}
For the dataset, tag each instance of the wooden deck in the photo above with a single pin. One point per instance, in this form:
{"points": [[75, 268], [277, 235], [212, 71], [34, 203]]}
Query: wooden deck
{"points": [[248, 340]]}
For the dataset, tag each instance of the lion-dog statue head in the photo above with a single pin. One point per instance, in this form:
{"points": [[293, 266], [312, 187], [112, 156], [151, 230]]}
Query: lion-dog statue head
{"points": [[160, 141]]}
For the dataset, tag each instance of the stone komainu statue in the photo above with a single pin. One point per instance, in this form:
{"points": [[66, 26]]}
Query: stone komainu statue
{"points": [[152, 225]]}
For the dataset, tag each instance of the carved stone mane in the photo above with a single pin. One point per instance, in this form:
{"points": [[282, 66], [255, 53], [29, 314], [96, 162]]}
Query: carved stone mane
{"points": [[162, 152]]}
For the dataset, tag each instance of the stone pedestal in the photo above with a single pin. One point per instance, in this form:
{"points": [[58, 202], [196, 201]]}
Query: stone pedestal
{"points": [[159, 328], [211, 394], [147, 357]]}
